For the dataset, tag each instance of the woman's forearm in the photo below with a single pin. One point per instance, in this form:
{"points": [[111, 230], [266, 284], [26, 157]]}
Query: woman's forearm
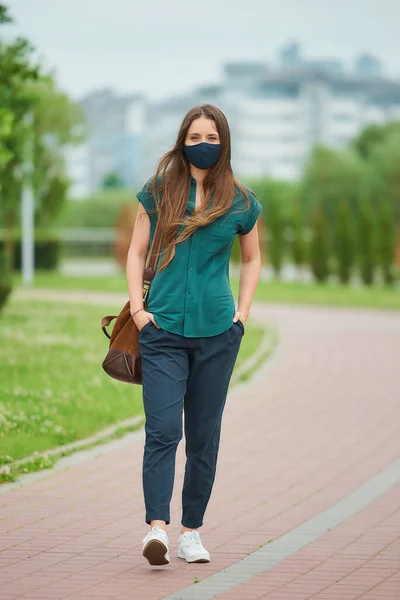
{"points": [[134, 276], [249, 277]]}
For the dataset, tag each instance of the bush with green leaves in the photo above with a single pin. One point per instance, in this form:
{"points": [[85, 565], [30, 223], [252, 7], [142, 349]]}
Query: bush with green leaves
{"points": [[275, 226], [344, 240], [330, 175], [367, 241], [386, 240], [320, 245], [99, 210], [47, 250], [299, 249]]}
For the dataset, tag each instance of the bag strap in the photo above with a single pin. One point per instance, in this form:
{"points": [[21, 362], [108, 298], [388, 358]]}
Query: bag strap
{"points": [[148, 275], [152, 259]]}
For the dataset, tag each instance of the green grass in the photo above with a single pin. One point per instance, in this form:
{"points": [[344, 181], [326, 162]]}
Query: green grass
{"points": [[328, 295], [264, 356], [52, 388], [46, 280], [250, 341], [296, 293]]}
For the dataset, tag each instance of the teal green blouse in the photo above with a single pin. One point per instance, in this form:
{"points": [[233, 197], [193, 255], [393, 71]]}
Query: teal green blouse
{"points": [[192, 297]]}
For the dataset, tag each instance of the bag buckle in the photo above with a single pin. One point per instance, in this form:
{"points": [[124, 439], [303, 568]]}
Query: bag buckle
{"points": [[146, 287]]}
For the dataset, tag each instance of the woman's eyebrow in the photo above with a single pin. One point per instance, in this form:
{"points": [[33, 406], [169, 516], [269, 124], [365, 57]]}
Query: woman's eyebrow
{"points": [[194, 133]]}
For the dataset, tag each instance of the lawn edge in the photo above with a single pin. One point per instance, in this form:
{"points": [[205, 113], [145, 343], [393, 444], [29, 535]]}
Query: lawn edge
{"points": [[135, 424]]}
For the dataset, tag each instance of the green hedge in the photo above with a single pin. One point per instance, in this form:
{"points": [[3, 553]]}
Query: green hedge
{"points": [[101, 210], [47, 250]]}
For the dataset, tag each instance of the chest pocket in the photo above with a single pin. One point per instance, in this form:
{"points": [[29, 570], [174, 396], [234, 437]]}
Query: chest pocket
{"points": [[220, 236]]}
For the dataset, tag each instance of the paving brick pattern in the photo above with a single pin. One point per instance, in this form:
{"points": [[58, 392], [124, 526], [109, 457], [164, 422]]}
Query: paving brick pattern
{"points": [[359, 559], [318, 422]]}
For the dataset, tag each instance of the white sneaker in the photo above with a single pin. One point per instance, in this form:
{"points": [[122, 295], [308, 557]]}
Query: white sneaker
{"points": [[191, 549], [155, 546]]}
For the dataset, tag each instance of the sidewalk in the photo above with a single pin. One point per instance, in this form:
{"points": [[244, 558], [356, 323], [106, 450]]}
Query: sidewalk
{"points": [[316, 429]]}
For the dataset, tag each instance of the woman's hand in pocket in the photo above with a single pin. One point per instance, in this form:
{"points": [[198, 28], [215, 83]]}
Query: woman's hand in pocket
{"points": [[240, 316], [142, 318]]}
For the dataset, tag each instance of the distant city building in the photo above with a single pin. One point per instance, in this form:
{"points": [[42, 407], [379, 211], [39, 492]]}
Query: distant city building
{"points": [[162, 124], [276, 114], [368, 66], [113, 144], [290, 57], [164, 120], [277, 118], [78, 169]]}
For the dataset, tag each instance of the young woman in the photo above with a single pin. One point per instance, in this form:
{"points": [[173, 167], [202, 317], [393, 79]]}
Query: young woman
{"points": [[190, 334]]}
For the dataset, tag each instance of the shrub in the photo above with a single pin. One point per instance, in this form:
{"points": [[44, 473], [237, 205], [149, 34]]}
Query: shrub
{"points": [[275, 226], [386, 240], [320, 245], [298, 243], [47, 250], [366, 242], [344, 240], [101, 210]]}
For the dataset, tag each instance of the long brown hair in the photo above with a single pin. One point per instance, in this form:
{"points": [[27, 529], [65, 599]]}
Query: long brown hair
{"points": [[171, 185]]}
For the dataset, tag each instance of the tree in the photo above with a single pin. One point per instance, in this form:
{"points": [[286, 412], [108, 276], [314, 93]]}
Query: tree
{"points": [[320, 245], [383, 171], [276, 242], [344, 241], [57, 123], [366, 242], [17, 69], [37, 117], [298, 244], [329, 176], [386, 240], [371, 137], [5, 157], [6, 122], [379, 146], [282, 192], [112, 181]]}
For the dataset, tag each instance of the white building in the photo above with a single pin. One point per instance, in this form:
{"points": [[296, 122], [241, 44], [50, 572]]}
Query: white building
{"points": [[277, 116], [163, 120], [278, 122], [77, 166], [115, 128]]}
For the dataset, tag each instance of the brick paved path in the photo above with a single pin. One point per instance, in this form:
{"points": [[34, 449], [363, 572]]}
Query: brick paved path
{"points": [[317, 423]]}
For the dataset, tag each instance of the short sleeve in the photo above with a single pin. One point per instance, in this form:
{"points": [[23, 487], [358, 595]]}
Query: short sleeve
{"points": [[145, 196], [250, 217]]}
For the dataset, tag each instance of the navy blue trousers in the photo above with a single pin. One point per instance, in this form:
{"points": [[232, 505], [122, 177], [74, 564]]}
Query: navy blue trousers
{"points": [[190, 377]]}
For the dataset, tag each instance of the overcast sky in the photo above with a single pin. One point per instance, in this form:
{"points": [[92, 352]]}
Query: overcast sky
{"points": [[164, 47]]}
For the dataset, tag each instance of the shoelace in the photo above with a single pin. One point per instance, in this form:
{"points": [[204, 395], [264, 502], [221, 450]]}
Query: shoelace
{"points": [[192, 538]]}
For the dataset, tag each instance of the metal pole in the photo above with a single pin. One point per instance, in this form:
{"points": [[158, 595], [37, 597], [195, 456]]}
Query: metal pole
{"points": [[27, 212]]}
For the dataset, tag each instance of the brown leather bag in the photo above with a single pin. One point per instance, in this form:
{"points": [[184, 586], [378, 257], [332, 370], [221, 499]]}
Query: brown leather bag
{"points": [[122, 361]]}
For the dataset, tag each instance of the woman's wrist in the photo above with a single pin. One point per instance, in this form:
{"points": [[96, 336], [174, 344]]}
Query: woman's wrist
{"points": [[134, 312], [244, 313]]}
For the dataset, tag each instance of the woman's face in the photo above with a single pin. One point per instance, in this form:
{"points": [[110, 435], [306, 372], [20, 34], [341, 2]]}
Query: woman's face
{"points": [[202, 130]]}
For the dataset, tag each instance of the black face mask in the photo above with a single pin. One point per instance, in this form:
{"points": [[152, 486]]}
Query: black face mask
{"points": [[204, 155]]}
